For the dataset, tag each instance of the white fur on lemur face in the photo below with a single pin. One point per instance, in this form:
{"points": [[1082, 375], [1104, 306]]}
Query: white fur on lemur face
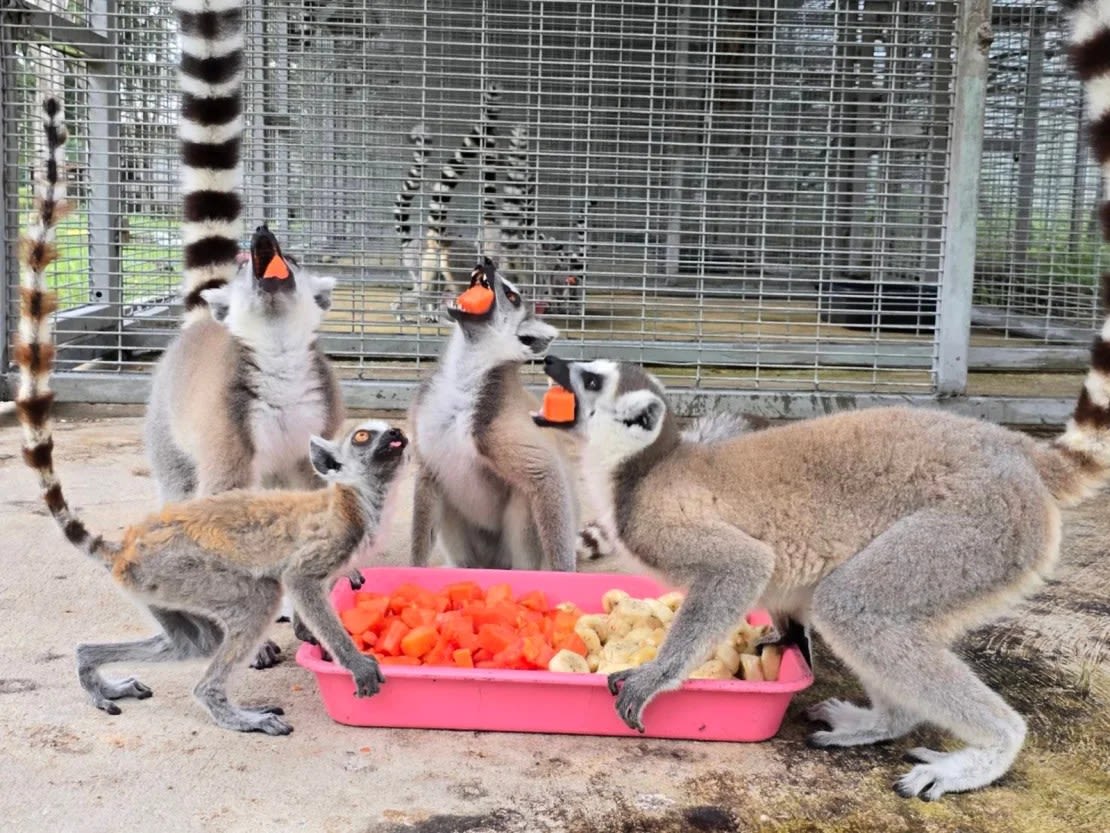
{"points": [[252, 302], [620, 408], [508, 332], [368, 454]]}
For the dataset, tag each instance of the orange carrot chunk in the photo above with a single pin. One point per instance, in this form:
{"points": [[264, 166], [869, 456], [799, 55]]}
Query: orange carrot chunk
{"points": [[558, 405], [390, 642], [463, 658], [477, 300], [419, 641], [357, 619]]}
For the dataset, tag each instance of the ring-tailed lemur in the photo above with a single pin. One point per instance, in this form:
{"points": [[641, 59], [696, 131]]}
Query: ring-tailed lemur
{"points": [[403, 204], [210, 571], [490, 485], [436, 265], [594, 541], [238, 392], [559, 266], [891, 531]]}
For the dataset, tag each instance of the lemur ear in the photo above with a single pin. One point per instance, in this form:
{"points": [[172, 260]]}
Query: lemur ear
{"points": [[641, 409], [218, 300], [321, 292], [324, 457]]}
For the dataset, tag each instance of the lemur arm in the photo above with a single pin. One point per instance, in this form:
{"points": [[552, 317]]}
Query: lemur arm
{"points": [[726, 571], [309, 592], [537, 471], [426, 497]]}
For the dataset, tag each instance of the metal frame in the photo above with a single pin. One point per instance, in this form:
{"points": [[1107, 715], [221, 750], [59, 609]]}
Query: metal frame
{"points": [[954, 330], [105, 321]]}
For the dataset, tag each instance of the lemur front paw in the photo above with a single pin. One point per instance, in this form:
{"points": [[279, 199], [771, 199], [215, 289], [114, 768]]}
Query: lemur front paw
{"points": [[634, 688], [269, 655], [356, 578], [368, 677]]}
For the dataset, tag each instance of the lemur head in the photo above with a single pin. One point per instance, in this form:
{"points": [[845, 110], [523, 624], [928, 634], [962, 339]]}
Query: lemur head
{"points": [[496, 320], [270, 288], [369, 456], [620, 408]]}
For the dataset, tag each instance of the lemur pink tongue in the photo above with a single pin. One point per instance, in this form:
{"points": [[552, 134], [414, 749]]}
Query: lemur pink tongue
{"points": [[395, 444]]}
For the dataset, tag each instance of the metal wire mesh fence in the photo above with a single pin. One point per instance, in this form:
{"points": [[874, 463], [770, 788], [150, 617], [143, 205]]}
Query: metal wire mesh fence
{"points": [[748, 196]]}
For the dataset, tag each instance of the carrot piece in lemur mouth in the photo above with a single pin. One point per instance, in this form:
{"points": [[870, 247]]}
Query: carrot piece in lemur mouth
{"points": [[277, 268], [558, 405], [477, 300]]}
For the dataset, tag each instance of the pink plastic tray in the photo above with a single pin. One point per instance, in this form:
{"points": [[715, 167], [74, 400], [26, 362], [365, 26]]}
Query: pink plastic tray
{"points": [[542, 701]]}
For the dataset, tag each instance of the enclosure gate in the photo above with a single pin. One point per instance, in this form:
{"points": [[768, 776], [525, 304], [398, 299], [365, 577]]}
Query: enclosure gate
{"points": [[775, 205]]}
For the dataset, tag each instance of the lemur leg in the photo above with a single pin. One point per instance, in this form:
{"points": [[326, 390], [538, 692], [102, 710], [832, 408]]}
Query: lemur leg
{"points": [[468, 545], [726, 571], [243, 619], [225, 465], [426, 498], [852, 725], [103, 691], [889, 611], [310, 597], [520, 539], [541, 478]]}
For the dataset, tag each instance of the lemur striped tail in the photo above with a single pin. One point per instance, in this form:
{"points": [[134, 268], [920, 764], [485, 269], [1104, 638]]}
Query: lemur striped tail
{"points": [[402, 206], [211, 130], [1090, 55], [517, 205], [471, 145], [34, 351], [1087, 438]]}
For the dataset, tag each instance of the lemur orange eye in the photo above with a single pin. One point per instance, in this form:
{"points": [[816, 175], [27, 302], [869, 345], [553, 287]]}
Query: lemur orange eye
{"points": [[361, 437]]}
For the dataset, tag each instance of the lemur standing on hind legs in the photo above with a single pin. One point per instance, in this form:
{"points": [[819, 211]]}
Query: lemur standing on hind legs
{"points": [[212, 570], [243, 386], [490, 486], [431, 263]]}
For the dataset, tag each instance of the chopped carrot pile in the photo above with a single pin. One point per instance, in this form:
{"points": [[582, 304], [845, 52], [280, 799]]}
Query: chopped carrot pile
{"points": [[558, 405], [462, 626]]}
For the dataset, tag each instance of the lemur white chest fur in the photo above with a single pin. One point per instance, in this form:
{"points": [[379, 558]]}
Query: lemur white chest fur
{"points": [[444, 432], [289, 404]]}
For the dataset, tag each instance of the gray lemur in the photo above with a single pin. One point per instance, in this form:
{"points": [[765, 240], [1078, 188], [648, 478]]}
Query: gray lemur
{"points": [[210, 571], [594, 543], [493, 487], [891, 531], [244, 385]]}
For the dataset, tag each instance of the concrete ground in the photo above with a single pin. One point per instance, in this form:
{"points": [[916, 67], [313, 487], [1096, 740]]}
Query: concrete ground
{"points": [[162, 766]]}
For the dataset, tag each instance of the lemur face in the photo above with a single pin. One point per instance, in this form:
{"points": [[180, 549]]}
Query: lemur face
{"points": [[619, 406], [371, 453], [508, 331], [269, 286]]}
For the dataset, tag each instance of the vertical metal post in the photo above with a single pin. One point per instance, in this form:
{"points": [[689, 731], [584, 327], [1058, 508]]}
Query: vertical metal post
{"points": [[954, 325], [8, 200], [1027, 150], [673, 245], [104, 208]]}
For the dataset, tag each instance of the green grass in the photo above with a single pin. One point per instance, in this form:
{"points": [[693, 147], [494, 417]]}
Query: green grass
{"points": [[149, 267]]}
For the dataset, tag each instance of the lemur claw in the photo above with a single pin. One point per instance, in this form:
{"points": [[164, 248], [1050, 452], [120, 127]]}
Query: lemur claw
{"points": [[269, 655], [357, 579], [632, 696], [368, 678]]}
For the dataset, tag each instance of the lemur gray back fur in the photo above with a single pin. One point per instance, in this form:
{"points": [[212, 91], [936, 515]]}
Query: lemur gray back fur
{"points": [[210, 571], [891, 531], [491, 487]]}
